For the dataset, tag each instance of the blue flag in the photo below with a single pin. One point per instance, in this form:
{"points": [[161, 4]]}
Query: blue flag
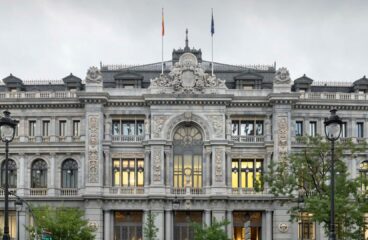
{"points": [[212, 25]]}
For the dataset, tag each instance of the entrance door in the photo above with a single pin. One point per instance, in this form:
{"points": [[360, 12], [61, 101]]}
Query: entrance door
{"points": [[247, 225], [182, 224], [128, 225]]}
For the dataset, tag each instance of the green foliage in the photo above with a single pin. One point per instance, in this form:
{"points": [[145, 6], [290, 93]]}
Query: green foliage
{"points": [[150, 230], [304, 178], [212, 232], [63, 223]]}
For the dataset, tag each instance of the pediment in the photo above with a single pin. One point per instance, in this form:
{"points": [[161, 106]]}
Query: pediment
{"points": [[248, 76], [128, 75]]}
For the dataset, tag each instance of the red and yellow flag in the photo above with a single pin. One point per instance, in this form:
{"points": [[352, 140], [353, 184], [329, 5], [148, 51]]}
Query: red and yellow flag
{"points": [[163, 23]]}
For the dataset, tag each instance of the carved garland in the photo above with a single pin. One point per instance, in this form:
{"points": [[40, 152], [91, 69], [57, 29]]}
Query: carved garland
{"points": [[93, 148], [218, 164], [158, 124], [217, 124], [156, 165], [282, 137]]}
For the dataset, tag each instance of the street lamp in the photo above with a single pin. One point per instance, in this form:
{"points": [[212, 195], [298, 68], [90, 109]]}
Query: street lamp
{"points": [[7, 131], [333, 131]]}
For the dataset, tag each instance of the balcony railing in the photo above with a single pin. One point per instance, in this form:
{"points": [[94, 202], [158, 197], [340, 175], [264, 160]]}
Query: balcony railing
{"points": [[245, 191], [69, 191], [38, 192], [11, 190], [248, 139], [184, 190], [334, 96], [63, 94], [127, 190], [127, 138]]}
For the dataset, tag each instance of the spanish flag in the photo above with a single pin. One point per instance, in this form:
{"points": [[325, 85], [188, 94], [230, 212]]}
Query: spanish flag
{"points": [[163, 23]]}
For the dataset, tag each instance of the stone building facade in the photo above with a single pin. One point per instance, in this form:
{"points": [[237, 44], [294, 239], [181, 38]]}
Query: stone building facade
{"points": [[184, 145]]}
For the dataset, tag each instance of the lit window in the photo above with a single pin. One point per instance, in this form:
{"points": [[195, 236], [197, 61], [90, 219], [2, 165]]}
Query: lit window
{"points": [[306, 226], [363, 169], [128, 172], [246, 173]]}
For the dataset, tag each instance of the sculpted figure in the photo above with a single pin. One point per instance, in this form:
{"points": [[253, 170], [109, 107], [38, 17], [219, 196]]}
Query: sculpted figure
{"points": [[282, 76], [93, 75]]}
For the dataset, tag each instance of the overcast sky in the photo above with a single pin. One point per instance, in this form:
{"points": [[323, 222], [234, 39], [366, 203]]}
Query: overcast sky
{"points": [[325, 39]]}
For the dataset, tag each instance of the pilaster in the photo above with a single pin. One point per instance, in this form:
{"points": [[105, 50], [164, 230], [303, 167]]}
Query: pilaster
{"points": [[218, 170]]}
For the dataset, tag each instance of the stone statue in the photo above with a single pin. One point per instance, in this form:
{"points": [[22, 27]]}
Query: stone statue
{"points": [[93, 75], [282, 76]]}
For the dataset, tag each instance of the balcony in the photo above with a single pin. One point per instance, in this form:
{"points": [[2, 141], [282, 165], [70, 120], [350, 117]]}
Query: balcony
{"points": [[127, 138], [68, 191], [38, 192], [127, 190], [248, 139], [29, 95], [334, 96]]}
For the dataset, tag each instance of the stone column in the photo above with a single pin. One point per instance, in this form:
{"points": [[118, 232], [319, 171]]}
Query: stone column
{"points": [[94, 215], [108, 167], [21, 129], [268, 132], [169, 224], [107, 225], [268, 225], [147, 168], [38, 131], [52, 176], [207, 217], [157, 169], [168, 168], [228, 127], [53, 130], [230, 226], [21, 179], [207, 169], [228, 169], [159, 223], [147, 127], [21, 225], [108, 130]]}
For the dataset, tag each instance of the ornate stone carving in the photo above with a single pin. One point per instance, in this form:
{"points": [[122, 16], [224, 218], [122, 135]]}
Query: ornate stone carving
{"points": [[187, 117], [156, 153], [282, 76], [217, 125], [187, 77], [158, 124], [282, 132], [127, 155], [283, 227], [218, 165], [93, 136], [93, 75]]}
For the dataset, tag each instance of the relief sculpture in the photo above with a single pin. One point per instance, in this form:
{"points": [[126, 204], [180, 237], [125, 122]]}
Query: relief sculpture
{"points": [[93, 149]]}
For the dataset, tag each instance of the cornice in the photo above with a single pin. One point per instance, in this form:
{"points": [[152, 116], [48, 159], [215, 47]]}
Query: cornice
{"points": [[40, 105], [93, 97], [326, 106]]}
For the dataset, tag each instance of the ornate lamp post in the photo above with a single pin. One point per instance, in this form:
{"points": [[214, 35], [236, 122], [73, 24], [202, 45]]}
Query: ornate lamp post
{"points": [[7, 131], [333, 131]]}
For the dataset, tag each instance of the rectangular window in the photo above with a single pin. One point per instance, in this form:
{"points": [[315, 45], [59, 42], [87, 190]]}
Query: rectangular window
{"points": [[116, 127], [246, 173], [313, 128], [62, 128], [259, 128], [247, 127], [343, 130], [76, 128], [360, 130], [32, 128], [128, 172], [45, 128], [299, 128]]}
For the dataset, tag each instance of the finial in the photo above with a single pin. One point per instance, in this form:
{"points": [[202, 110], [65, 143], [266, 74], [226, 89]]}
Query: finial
{"points": [[186, 41]]}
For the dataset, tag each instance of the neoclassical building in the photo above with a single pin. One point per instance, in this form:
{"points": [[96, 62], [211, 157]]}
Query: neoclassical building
{"points": [[185, 145]]}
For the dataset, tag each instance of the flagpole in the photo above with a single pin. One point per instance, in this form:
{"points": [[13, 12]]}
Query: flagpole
{"points": [[162, 42], [212, 32]]}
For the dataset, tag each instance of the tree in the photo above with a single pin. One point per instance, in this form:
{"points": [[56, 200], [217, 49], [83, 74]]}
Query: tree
{"points": [[150, 230], [304, 176], [62, 223], [213, 232]]}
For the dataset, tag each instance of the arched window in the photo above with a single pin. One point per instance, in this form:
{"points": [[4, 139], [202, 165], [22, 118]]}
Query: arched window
{"points": [[12, 173], [188, 151], [39, 174], [363, 169], [69, 174]]}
